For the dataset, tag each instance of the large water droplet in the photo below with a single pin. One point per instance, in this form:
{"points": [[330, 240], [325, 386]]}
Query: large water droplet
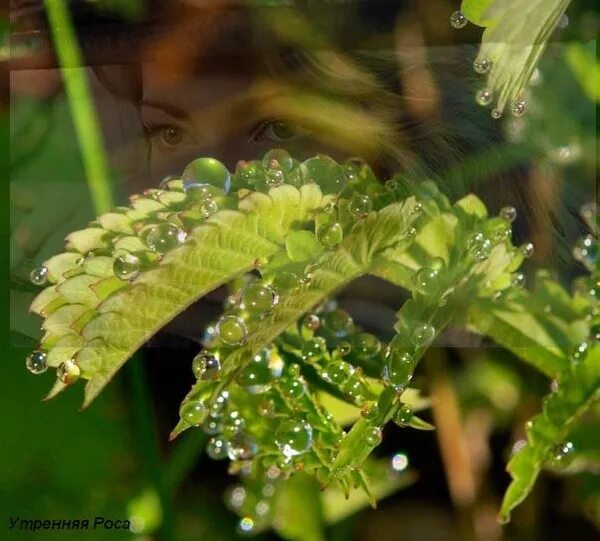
{"points": [[314, 349], [164, 237], [508, 213], [366, 345], [39, 275], [232, 424], [373, 436], [424, 280], [232, 330], [293, 387], [527, 249], [482, 65], [331, 234], [286, 280], [193, 412], [205, 171], [337, 372], [355, 389], [484, 97], [293, 437], [242, 447], [68, 372], [274, 178], [479, 246], [496, 114], [311, 322], [36, 361], [328, 174], [398, 368], [257, 376], [277, 158], [399, 462], [562, 455], [259, 298], [422, 335], [126, 266], [403, 415], [518, 108], [360, 205], [458, 20], [339, 322], [217, 448], [208, 207], [213, 424], [205, 365]]}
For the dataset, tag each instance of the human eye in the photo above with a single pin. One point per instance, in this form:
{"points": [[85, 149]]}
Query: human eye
{"points": [[166, 136], [277, 131]]}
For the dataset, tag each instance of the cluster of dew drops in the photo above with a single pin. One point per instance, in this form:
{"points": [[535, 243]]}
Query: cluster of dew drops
{"points": [[207, 183]]}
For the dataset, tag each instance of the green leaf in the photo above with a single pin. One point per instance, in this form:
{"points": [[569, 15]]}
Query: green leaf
{"points": [[578, 389], [475, 11], [303, 246]]}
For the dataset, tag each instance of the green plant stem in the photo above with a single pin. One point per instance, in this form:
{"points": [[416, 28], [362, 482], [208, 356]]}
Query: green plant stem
{"points": [[184, 456], [87, 126], [142, 409]]}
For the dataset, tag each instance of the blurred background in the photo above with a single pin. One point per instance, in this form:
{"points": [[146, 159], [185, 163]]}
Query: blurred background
{"points": [[390, 81]]}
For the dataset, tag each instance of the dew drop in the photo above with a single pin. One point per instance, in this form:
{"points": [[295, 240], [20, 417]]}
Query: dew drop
{"points": [[164, 183], [422, 335], [424, 280], [482, 65], [212, 424], [373, 436], [370, 411], [266, 408], [286, 280], [331, 234], [205, 171], [193, 412], [496, 114], [39, 275], [231, 330], [399, 462], [411, 232], [68, 372], [259, 298], [484, 97], [517, 279], [328, 174], [561, 455], [293, 437], [355, 389], [366, 345], [518, 108], [337, 372], [479, 246], [274, 178], [293, 388], [580, 353], [126, 266], [403, 415], [298, 176], [343, 349], [36, 362], [206, 366], [232, 424], [311, 322], [458, 20], [508, 213], [242, 447], [360, 205], [527, 249], [235, 496], [586, 252], [208, 207], [314, 349], [277, 158], [164, 237], [339, 322], [217, 448], [246, 525], [257, 376], [398, 368]]}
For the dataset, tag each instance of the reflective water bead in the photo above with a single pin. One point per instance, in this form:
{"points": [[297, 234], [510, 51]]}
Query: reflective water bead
{"points": [[235, 496], [508, 213], [411, 232], [438, 263], [484, 97], [36, 361], [343, 349], [518, 108], [458, 20], [399, 462], [259, 298], [193, 412], [216, 448], [232, 330], [586, 251], [366, 345], [286, 280], [355, 389], [517, 279], [212, 424], [39, 275], [328, 174], [262, 508], [424, 280], [205, 365], [274, 178], [245, 525], [479, 246], [294, 437], [331, 234], [423, 334], [314, 349], [68, 372], [208, 207], [232, 424], [403, 415], [496, 114], [277, 158], [164, 237], [266, 408], [527, 249], [398, 368], [373, 436], [360, 205], [562, 455], [206, 171], [311, 322], [294, 388], [298, 176], [337, 372], [242, 447], [580, 352], [482, 65], [339, 322], [257, 376], [370, 410], [126, 266]]}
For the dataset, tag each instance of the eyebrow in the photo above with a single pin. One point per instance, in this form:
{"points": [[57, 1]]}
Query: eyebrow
{"points": [[170, 109]]}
